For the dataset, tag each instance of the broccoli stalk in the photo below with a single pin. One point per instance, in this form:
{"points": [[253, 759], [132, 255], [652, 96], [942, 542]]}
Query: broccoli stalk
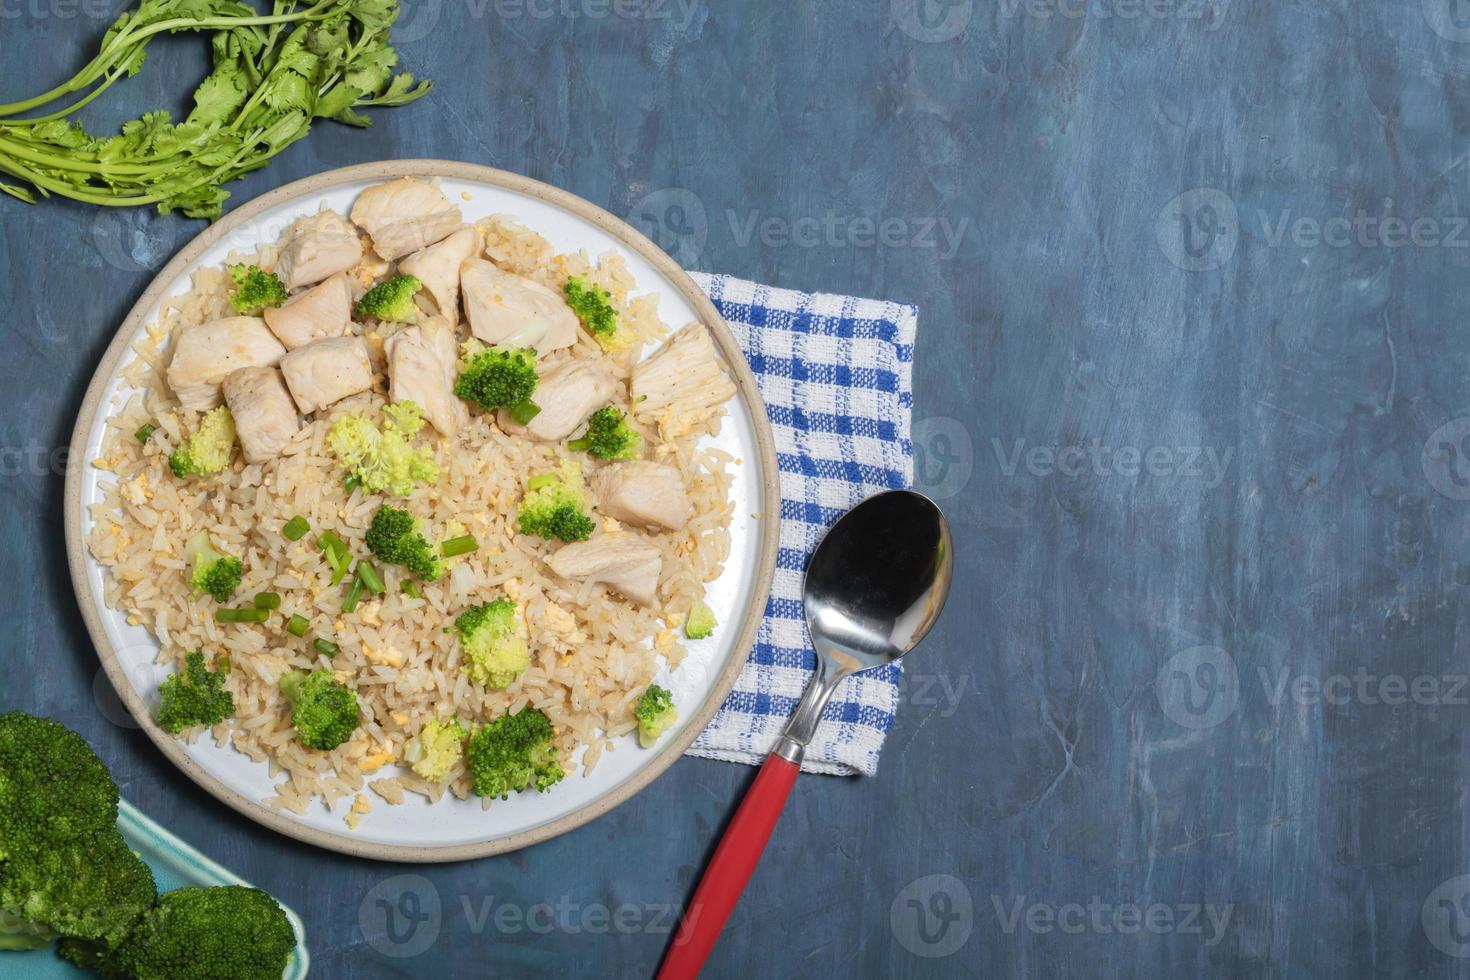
{"points": [[194, 696], [394, 538], [655, 713], [215, 573], [391, 299], [701, 621], [494, 652], [608, 436], [501, 379], [255, 289], [555, 505], [593, 306], [514, 752], [435, 749], [384, 459], [209, 448], [323, 711]]}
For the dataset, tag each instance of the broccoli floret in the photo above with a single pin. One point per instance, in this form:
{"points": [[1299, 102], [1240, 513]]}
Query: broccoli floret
{"points": [[700, 622], [391, 299], [200, 934], [500, 379], [209, 448], [555, 505], [323, 711], [433, 751], [89, 887], [384, 460], [593, 306], [394, 538], [514, 752], [255, 289], [215, 573], [608, 436], [655, 713], [194, 696], [494, 652]]}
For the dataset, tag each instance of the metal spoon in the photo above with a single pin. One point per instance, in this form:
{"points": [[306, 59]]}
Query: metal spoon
{"points": [[874, 587]]}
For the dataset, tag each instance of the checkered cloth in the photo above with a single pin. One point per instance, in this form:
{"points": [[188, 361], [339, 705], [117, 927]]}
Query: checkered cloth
{"points": [[837, 376]]}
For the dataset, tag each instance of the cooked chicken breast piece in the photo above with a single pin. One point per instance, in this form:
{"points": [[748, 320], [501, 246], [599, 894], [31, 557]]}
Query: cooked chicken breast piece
{"points": [[404, 215], [643, 492], [206, 352], [324, 310], [506, 310], [567, 394], [265, 416], [323, 245], [624, 562], [326, 371], [437, 267], [683, 375], [421, 369]]}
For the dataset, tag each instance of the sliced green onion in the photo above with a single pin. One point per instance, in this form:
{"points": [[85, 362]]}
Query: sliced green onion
{"points": [[144, 431], [354, 593], [351, 483], [325, 647], [222, 665], [267, 600], [461, 545], [410, 588], [297, 625], [223, 615], [370, 579], [295, 529], [329, 541], [524, 411]]}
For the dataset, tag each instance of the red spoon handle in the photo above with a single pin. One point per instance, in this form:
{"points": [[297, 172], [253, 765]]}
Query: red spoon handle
{"points": [[734, 862]]}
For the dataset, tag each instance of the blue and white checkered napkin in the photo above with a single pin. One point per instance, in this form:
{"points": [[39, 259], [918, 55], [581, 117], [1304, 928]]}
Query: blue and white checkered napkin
{"points": [[837, 376]]}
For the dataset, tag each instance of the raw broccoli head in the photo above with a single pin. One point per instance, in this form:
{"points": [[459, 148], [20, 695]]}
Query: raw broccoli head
{"points": [[394, 538], [88, 887], [384, 459], [194, 696], [489, 635], [593, 306], [555, 505], [701, 621], [500, 379], [215, 573], [209, 448], [391, 299], [514, 752], [655, 713], [434, 750], [255, 289], [323, 711], [52, 785], [608, 436], [200, 934]]}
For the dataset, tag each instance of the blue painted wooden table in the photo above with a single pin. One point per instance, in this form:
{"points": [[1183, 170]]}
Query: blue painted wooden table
{"points": [[1191, 382]]}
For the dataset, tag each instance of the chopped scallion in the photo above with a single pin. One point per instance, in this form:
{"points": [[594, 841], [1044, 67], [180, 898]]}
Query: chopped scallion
{"points": [[461, 545], [410, 588], [370, 579], [223, 615], [325, 647], [296, 528], [351, 483], [144, 431], [297, 625], [354, 593], [267, 600]]}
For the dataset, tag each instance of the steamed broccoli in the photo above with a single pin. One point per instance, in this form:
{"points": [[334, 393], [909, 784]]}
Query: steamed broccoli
{"points": [[199, 934], [701, 621], [384, 460], [593, 306], [494, 652], [255, 289], [433, 751], [391, 299], [655, 713], [215, 573], [209, 448], [394, 538], [323, 711], [608, 436], [555, 505], [514, 752], [500, 379], [194, 696]]}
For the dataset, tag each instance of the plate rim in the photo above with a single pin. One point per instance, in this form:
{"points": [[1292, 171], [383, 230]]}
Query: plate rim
{"points": [[746, 389]]}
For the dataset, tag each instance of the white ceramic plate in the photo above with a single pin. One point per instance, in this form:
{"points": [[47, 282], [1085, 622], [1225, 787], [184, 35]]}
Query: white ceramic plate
{"points": [[450, 830]]}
